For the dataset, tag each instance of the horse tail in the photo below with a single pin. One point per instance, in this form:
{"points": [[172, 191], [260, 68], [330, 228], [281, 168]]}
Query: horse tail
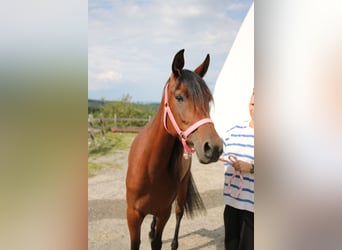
{"points": [[193, 200]]}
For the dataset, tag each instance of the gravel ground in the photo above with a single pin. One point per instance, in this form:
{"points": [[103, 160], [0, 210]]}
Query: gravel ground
{"points": [[107, 227]]}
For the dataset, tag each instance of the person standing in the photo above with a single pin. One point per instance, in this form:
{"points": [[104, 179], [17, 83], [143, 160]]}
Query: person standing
{"points": [[239, 184]]}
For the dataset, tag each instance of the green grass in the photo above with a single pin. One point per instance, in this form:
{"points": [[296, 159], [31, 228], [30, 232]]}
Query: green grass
{"points": [[112, 143], [93, 168]]}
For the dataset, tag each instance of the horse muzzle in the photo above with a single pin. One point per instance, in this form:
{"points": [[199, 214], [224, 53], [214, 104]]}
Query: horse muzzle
{"points": [[208, 149]]}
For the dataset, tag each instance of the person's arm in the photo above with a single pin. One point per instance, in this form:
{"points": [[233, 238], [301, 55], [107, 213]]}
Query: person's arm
{"points": [[244, 167]]}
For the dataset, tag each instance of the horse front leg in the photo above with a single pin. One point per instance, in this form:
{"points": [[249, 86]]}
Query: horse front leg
{"points": [[179, 216], [181, 198], [134, 220], [153, 228], [160, 222]]}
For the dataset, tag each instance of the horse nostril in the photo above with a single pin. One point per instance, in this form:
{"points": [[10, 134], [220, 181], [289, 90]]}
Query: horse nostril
{"points": [[212, 152], [208, 150]]}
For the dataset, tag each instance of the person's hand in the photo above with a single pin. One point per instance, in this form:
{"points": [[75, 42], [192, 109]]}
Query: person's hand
{"points": [[242, 166]]}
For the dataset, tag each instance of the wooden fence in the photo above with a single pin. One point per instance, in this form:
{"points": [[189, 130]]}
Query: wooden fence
{"points": [[115, 124]]}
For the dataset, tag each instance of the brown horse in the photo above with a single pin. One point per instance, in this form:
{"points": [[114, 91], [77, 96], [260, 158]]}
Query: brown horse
{"points": [[159, 161]]}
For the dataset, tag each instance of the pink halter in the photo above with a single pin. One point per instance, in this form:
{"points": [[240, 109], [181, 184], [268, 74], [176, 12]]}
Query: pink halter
{"points": [[182, 134]]}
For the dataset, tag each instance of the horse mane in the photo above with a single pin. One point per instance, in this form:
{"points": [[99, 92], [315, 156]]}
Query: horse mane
{"points": [[197, 88], [176, 158], [193, 203]]}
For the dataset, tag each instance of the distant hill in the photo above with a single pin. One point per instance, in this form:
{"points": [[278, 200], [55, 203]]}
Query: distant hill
{"points": [[95, 102], [94, 106]]}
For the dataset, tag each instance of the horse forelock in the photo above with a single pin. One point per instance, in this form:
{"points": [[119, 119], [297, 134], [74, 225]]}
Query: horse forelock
{"points": [[197, 89]]}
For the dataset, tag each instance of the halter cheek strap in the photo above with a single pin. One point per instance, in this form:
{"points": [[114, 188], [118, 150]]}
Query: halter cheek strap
{"points": [[182, 134]]}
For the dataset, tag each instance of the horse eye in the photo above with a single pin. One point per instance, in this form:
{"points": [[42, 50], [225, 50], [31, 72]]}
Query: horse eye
{"points": [[179, 98]]}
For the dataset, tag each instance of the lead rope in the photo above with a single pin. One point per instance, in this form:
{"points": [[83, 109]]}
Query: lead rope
{"points": [[231, 159]]}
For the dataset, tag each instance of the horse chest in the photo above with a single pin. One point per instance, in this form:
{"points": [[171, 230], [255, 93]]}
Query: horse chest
{"points": [[162, 186]]}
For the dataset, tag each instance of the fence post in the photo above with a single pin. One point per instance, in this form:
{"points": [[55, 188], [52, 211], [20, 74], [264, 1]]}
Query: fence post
{"points": [[91, 132], [102, 124], [115, 121]]}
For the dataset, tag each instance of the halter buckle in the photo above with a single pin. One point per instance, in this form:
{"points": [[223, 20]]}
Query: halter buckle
{"points": [[187, 156], [181, 134]]}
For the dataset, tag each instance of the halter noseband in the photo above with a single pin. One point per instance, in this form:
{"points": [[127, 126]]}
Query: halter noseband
{"points": [[182, 134]]}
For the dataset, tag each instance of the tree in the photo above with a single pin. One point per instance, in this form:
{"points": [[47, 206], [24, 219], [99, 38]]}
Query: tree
{"points": [[124, 109]]}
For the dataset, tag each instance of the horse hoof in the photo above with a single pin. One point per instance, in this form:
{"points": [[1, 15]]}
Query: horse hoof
{"points": [[174, 245], [156, 245]]}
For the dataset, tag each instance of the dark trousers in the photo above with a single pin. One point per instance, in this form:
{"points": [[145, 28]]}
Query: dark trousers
{"points": [[239, 229]]}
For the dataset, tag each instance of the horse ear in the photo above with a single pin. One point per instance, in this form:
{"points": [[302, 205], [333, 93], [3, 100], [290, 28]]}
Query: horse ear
{"points": [[178, 63], [202, 69]]}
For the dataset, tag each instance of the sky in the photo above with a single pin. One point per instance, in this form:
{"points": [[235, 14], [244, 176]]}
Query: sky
{"points": [[131, 44]]}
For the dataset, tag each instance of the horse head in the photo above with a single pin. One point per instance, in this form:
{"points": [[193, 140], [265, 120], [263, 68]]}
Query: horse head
{"points": [[187, 101]]}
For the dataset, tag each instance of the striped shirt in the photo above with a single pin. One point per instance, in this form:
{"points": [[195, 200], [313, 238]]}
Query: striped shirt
{"points": [[239, 141]]}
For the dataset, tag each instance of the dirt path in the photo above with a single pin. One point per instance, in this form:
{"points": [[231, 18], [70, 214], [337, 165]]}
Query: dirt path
{"points": [[107, 228]]}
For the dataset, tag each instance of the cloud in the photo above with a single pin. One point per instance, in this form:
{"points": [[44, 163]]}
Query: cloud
{"points": [[110, 75], [104, 70], [133, 42]]}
